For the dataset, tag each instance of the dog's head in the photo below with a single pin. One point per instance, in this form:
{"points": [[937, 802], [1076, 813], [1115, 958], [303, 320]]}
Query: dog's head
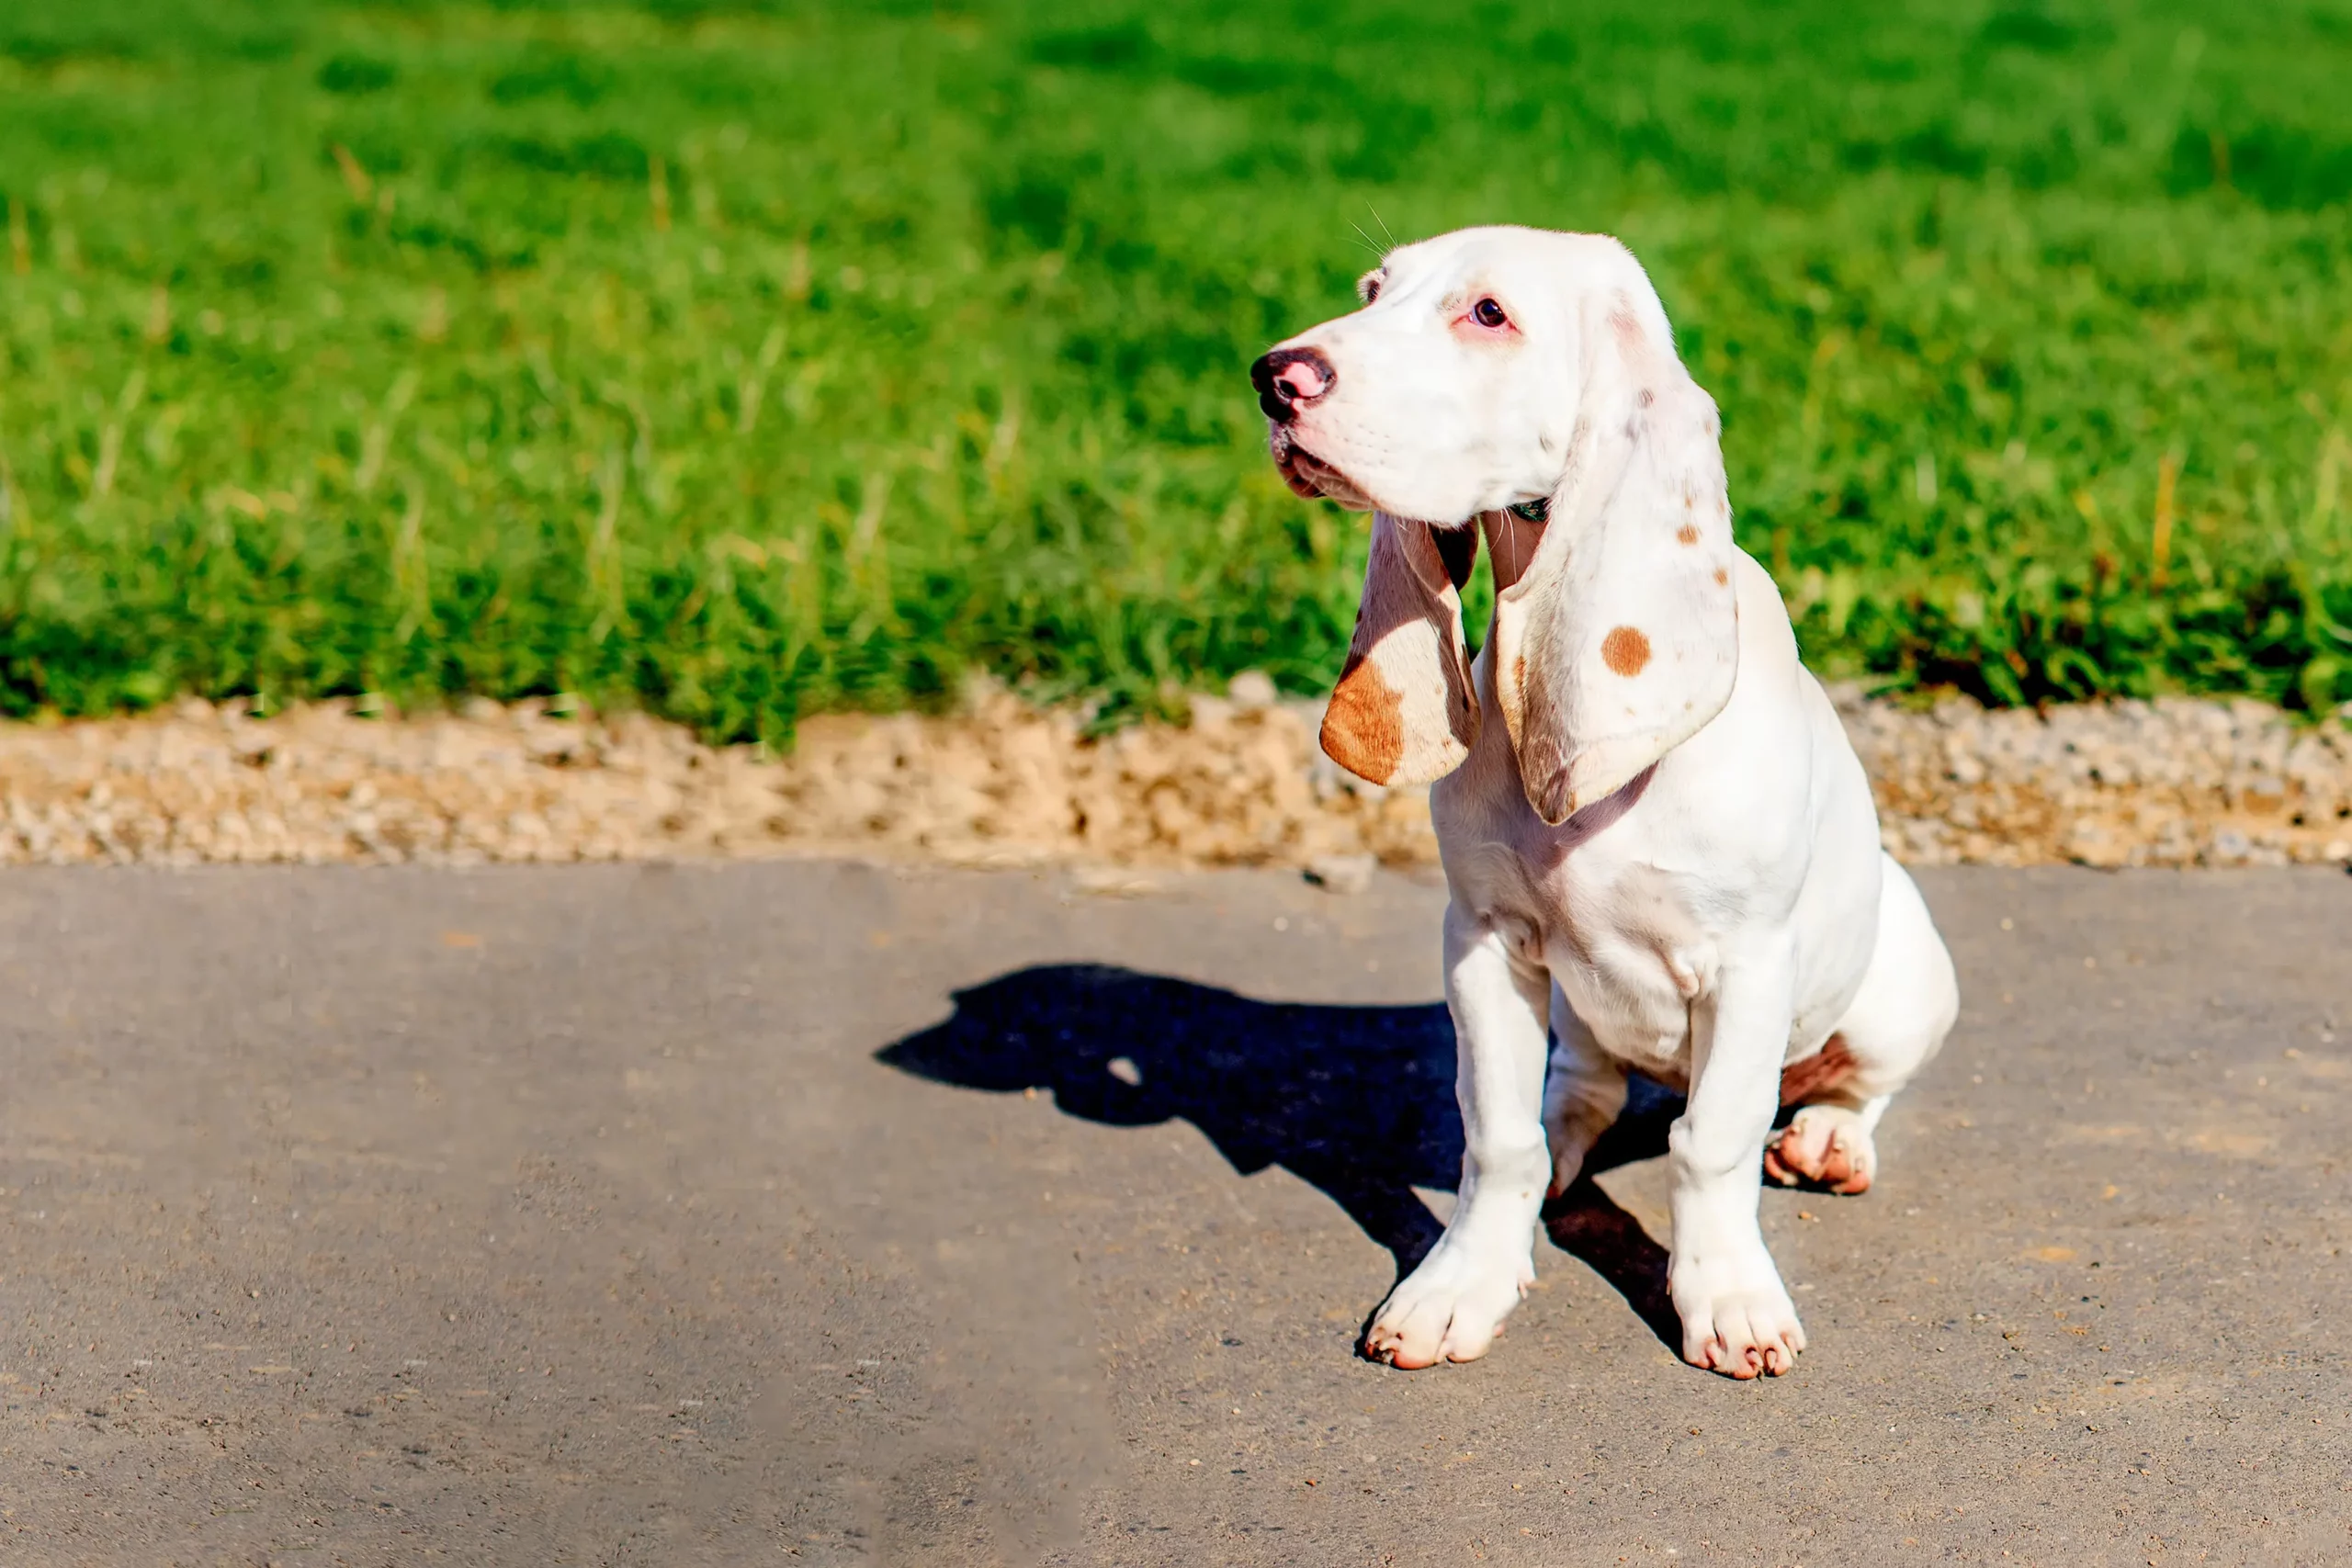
{"points": [[1525, 384]]}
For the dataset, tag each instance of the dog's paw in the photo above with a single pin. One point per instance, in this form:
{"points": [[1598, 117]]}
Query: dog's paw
{"points": [[1825, 1145], [1742, 1333], [1449, 1309]]}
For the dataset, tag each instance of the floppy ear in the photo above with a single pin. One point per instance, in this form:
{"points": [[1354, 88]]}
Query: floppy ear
{"points": [[1404, 712], [1621, 637]]}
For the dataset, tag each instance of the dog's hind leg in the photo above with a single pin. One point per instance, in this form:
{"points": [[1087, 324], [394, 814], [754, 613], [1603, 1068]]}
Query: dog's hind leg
{"points": [[1897, 1022], [1583, 1095]]}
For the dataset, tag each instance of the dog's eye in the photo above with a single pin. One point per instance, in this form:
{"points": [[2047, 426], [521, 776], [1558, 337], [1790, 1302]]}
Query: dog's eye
{"points": [[1486, 313], [1368, 286]]}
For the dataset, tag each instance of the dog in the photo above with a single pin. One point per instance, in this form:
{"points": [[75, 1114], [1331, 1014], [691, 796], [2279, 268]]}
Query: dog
{"points": [[1665, 857]]}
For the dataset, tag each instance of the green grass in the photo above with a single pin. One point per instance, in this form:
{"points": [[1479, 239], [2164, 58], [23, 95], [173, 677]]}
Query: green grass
{"points": [[746, 361]]}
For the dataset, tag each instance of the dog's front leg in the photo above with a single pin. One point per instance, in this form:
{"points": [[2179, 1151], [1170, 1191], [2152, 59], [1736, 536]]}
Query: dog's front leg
{"points": [[1736, 1315], [1453, 1304]]}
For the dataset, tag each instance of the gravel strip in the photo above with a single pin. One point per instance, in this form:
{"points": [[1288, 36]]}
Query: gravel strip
{"points": [[2168, 782], [2173, 782]]}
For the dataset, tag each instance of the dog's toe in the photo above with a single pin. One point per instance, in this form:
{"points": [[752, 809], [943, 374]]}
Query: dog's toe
{"points": [[1450, 1309], [1745, 1334], [1827, 1146]]}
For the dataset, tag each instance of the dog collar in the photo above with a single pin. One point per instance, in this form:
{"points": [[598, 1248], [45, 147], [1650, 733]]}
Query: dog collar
{"points": [[1534, 511]]}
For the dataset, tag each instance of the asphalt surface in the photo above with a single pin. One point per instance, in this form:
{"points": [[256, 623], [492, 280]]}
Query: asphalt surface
{"points": [[842, 1215]]}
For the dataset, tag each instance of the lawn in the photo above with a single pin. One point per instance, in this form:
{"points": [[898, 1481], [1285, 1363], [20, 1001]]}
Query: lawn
{"points": [[745, 361]]}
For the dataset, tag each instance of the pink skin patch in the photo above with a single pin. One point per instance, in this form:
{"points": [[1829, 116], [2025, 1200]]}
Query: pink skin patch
{"points": [[1303, 381]]}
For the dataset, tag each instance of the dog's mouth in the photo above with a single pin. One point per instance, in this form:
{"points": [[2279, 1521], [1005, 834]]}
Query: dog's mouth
{"points": [[1309, 476]]}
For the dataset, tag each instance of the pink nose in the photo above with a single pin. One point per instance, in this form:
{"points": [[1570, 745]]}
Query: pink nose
{"points": [[1289, 379], [1302, 379]]}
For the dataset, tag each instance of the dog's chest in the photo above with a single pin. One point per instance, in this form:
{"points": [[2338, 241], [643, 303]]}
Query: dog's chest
{"points": [[1638, 959], [1620, 940]]}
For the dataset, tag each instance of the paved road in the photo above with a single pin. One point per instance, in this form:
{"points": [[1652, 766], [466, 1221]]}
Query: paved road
{"points": [[833, 1214]]}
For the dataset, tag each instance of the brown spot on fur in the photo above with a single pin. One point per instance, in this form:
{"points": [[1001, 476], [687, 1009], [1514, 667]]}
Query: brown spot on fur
{"points": [[1364, 727], [1818, 1074], [1625, 650], [1687, 535], [1723, 577]]}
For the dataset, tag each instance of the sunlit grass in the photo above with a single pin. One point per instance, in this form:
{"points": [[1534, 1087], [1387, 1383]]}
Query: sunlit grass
{"points": [[749, 361]]}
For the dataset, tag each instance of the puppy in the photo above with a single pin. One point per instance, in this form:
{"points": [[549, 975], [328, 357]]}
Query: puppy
{"points": [[1664, 855]]}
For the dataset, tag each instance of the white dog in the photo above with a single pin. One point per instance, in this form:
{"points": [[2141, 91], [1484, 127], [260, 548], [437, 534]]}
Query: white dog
{"points": [[1665, 856]]}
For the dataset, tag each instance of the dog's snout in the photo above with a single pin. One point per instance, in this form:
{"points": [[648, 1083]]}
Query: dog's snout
{"points": [[1289, 378]]}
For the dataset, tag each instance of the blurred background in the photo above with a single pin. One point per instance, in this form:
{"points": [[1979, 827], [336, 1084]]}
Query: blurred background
{"points": [[747, 361]]}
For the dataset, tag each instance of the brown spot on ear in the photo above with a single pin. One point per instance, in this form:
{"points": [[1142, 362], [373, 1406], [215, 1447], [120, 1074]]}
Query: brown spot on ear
{"points": [[1687, 534], [1625, 650], [1364, 727]]}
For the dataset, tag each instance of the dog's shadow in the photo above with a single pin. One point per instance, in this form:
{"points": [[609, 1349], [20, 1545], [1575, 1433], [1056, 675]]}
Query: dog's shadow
{"points": [[1356, 1101]]}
